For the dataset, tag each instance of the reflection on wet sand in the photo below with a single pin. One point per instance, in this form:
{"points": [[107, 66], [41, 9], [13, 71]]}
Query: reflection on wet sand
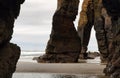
{"points": [[90, 68], [55, 75], [78, 76]]}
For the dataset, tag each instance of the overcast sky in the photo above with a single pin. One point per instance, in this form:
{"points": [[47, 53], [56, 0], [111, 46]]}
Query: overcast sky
{"points": [[33, 26]]}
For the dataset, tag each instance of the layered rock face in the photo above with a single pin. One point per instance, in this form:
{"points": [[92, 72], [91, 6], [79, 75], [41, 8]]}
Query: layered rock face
{"points": [[94, 14], [9, 52], [113, 67], [64, 44]]}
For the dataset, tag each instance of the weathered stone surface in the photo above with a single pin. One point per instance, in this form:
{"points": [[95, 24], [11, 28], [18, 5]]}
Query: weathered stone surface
{"points": [[93, 13], [100, 24], [9, 53], [64, 44], [113, 67], [85, 24]]}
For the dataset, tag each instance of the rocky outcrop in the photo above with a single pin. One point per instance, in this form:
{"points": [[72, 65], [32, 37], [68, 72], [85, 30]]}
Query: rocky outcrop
{"points": [[113, 67], [86, 21], [94, 14], [9, 55], [64, 44], [9, 52]]}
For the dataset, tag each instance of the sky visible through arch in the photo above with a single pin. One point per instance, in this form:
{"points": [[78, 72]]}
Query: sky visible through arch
{"points": [[33, 26]]}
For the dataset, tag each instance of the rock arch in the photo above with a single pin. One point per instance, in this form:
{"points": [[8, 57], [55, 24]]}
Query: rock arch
{"points": [[64, 44], [94, 14]]}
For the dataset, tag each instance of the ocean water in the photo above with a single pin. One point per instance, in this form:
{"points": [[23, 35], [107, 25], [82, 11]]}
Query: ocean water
{"points": [[27, 56]]}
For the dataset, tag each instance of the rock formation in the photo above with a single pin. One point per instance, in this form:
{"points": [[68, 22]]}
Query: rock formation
{"points": [[113, 67], [9, 52], [86, 21], [64, 44], [93, 13]]}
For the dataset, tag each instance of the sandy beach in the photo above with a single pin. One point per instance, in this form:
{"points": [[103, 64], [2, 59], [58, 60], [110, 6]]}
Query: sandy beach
{"points": [[90, 66], [76, 68], [28, 68], [59, 70]]}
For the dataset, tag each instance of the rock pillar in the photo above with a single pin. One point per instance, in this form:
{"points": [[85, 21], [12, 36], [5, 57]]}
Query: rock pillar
{"points": [[64, 43]]}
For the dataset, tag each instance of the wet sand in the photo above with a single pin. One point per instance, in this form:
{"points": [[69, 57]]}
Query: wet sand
{"points": [[85, 69], [55, 75], [76, 68]]}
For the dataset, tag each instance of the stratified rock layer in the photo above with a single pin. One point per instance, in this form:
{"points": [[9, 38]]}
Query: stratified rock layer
{"points": [[9, 53], [64, 44]]}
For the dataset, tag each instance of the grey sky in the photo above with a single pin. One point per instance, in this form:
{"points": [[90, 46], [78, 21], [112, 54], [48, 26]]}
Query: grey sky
{"points": [[33, 26]]}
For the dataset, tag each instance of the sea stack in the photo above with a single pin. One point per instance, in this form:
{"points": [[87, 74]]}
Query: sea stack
{"points": [[64, 44]]}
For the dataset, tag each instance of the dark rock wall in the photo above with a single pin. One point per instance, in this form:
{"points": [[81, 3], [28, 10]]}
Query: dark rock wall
{"points": [[113, 67], [112, 7], [64, 43], [9, 52], [99, 26]]}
